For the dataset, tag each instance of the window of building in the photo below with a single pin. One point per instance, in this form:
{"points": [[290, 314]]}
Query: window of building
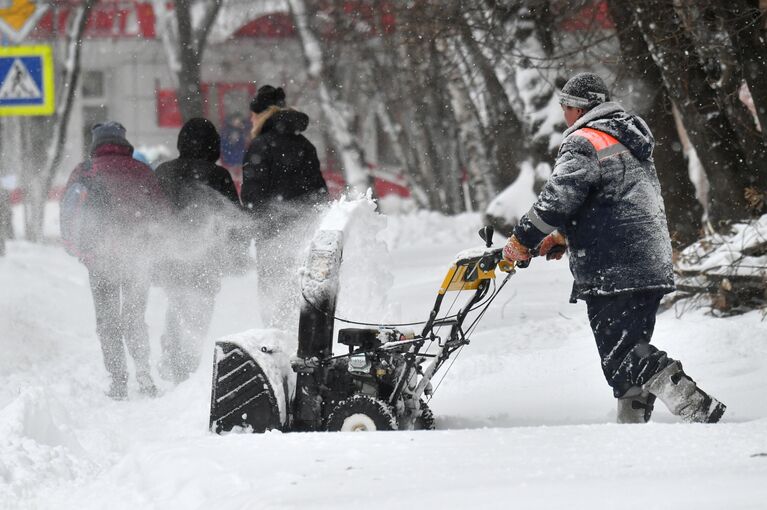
{"points": [[93, 84]]}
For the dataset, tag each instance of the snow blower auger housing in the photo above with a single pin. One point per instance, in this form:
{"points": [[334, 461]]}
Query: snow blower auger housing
{"points": [[381, 383]]}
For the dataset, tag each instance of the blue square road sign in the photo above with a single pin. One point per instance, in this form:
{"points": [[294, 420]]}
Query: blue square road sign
{"points": [[26, 81]]}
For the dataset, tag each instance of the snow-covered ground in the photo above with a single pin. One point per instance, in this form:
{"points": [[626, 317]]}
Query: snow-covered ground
{"points": [[524, 418]]}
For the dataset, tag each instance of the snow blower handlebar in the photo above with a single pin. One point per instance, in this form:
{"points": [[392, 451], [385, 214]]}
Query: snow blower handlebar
{"points": [[473, 270]]}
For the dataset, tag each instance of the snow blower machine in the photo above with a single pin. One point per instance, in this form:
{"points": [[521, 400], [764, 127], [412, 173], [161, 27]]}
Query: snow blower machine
{"points": [[383, 382]]}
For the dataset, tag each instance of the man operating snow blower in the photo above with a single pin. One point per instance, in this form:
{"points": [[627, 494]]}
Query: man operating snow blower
{"points": [[603, 201]]}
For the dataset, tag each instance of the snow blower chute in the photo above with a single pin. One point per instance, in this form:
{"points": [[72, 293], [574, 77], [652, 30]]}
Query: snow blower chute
{"points": [[383, 382]]}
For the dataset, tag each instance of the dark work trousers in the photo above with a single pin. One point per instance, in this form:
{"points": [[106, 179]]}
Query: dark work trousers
{"points": [[623, 325], [187, 320], [120, 302]]}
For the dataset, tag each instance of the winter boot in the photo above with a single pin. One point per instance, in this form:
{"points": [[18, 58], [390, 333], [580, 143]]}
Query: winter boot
{"points": [[168, 369], [683, 397], [637, 408], [172, 370], [118, 390], [146, 384]]}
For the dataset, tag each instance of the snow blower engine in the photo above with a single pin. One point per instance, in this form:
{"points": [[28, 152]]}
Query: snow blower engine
{"points": [[383, 382]]}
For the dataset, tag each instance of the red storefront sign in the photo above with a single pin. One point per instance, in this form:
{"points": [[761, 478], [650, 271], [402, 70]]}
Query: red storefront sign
{"points": [[109, 18], [136, 18]]}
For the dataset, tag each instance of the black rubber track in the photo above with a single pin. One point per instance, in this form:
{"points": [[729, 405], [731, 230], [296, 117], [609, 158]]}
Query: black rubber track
{"points": [[242, 395]]}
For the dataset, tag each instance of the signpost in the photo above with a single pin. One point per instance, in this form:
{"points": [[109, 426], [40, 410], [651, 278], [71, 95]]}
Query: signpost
{"points": [[26, 81]]}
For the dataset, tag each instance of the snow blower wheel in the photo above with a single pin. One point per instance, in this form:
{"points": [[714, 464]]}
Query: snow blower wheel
{"points": [[425, 420], [361, 413]]}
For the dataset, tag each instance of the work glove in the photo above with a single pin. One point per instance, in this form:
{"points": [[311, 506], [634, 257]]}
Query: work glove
{"points": [[515, 251], [553, 246]]}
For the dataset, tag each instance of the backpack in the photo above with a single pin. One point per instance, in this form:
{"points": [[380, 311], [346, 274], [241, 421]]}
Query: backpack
{"points": [[83, 205]]}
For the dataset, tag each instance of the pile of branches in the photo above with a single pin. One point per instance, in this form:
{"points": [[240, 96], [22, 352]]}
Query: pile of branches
{"points": [[727, 270]]}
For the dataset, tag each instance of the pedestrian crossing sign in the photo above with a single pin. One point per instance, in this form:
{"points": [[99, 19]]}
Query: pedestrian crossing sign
{"points": [[26, 81]]}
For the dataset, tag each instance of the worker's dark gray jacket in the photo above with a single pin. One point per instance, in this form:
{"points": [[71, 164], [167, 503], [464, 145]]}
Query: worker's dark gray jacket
{"points": [[605, 197]]}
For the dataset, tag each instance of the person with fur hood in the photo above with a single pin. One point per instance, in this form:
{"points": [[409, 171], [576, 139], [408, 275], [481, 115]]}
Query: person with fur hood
{"points": [[203, 244], [603, 202], [281, 186]]}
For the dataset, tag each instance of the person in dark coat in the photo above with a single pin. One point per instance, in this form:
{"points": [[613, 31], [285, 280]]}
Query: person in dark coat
{"points": [[204, 243], [281, 164], [119, 257], [603, 200], [281, 186]]}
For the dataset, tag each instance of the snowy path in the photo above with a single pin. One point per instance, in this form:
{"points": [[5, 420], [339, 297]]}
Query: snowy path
{"points": [[525, 417]]}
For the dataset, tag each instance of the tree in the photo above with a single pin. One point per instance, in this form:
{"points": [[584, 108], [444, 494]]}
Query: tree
{"points": [[39, 180], [503, 129], [744, 22], [718, 53], [520, 40], [185, 36], [685, 213], [334, 109], [709, 129], [409, 68]]}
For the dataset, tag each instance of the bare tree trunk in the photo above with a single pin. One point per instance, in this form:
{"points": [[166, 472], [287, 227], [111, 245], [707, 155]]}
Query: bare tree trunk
{"points": [[40, 185], [397, 136], [506, 140], [706, 23], [185, 43], [397, 88], [518, 37], [481, 182], [708, 128], [411, 135], [533, 34], [745, 24], [483, 168], [190, 101], [442, 131], [191, 47], [352, 161], [685, 213]]}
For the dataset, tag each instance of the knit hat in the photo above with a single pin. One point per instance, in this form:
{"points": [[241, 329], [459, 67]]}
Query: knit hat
{"points": [[584, 90], [108, 132], [267, 96], [199, 139]]}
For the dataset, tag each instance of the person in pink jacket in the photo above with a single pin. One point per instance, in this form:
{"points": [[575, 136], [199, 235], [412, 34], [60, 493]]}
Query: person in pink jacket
{"points": [[126, 208]]}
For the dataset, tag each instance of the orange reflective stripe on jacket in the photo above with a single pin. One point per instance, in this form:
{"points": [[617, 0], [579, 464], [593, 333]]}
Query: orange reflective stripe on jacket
{"points": [[605, 145]]}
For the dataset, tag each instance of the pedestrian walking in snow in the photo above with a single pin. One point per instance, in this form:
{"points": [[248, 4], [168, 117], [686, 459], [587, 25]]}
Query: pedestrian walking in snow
{"points": [[203, 241], [281, 186], [121, 209], [603, 201]]}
